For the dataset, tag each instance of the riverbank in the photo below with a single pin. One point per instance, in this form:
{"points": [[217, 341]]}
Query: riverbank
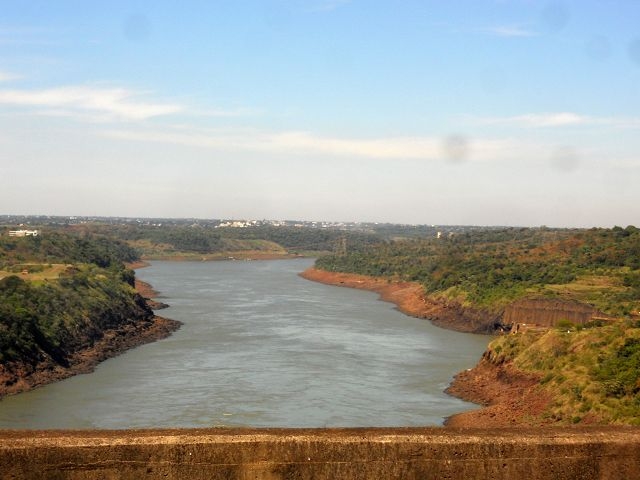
{"points": [[411, 300], [507, 397], [18, 377], [149, 294]]}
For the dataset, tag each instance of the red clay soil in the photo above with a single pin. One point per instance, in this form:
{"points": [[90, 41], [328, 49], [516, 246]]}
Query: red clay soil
{"points": [[509, 397], [411, 300]]}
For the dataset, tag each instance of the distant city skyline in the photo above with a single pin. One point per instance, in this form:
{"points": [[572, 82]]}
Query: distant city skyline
{"points": [[487, 112]]}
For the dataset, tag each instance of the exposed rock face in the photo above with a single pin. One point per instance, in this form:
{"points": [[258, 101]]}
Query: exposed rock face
{"points": [[454, 316], [16, 377], [548, 312], [510, 397]]}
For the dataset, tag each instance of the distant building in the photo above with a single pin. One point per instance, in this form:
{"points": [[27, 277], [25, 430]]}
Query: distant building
{"points": [[24, 233]]}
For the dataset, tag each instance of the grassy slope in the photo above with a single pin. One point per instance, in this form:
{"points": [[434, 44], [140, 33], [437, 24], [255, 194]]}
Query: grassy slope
{"points": [[490, 269], [592, 374]]}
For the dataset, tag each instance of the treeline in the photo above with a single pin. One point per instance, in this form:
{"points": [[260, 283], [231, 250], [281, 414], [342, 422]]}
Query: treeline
{"points": [[204, 239], [57, 318], [58, 247], [303, 239], [492, 267]]}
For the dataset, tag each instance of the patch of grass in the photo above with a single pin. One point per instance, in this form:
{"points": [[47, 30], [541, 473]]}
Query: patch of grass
{"points": [[35, 272]]}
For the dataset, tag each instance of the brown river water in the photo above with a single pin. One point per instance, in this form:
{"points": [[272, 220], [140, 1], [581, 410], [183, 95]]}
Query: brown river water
{"points": [[263, 347]]}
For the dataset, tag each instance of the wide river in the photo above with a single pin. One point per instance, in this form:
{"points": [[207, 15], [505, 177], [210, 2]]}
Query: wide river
{"points": [[261, 346]]}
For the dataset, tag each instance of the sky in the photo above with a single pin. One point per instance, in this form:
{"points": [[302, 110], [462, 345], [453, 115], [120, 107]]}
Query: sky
{"points": [[461, 112]]}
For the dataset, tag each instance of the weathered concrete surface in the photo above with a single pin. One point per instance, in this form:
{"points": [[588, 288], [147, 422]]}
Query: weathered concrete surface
{"points": [[547, 312], [412, 453]]}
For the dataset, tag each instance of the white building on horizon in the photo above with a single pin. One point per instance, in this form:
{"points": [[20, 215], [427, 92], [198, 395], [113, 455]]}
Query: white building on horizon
{"points": [[23, 233]]}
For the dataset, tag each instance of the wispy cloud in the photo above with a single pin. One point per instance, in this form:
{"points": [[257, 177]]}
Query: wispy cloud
{"points": [[106, 103], [7, 76], [510, 31], [558, 119], [228, 113], [300, 143], [561, 119]]}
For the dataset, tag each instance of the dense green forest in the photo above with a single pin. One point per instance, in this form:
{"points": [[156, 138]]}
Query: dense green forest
{"points": [[164, 240], [300, 239], [59, 247], [60, 292], [490, 268]]}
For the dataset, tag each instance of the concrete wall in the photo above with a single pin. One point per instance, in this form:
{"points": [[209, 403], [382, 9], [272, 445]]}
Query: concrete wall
{"points": [[547, 312], [585, 453]]}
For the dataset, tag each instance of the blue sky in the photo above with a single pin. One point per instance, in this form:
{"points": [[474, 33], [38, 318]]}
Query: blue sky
{"points": [[492, 112]]}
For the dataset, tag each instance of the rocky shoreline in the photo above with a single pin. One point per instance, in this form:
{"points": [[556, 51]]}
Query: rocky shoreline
{"points": [[508, 397], [18, 377]]}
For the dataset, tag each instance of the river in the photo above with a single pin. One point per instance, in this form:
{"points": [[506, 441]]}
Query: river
{"points": [[261, 346]]}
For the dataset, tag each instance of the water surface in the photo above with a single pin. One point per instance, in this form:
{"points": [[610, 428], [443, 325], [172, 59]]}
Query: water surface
{"points": [[261, 346]]}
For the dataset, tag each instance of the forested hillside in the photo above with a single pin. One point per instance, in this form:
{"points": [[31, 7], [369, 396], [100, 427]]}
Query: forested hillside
{"points": [[590, 375], [197, 241], [59, 295], [491, 268], [587, 372]]}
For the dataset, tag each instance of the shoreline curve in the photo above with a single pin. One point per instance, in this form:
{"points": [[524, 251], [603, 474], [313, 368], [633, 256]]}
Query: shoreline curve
{"points": [[504, 396], [19, 377]]}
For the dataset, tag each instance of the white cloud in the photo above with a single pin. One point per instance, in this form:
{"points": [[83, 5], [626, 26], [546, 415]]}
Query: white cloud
{"points": [[550, 119], [7, 77], [110, 103], [228, 113], [510, 31], [300, 143], [560, 119]]}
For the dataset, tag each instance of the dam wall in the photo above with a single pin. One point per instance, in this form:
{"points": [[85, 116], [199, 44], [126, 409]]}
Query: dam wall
{"points": [[548, 312], [367, 453]]}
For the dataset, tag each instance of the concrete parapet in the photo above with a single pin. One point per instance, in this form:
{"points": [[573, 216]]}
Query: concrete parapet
{"points": [[367, 453]]}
